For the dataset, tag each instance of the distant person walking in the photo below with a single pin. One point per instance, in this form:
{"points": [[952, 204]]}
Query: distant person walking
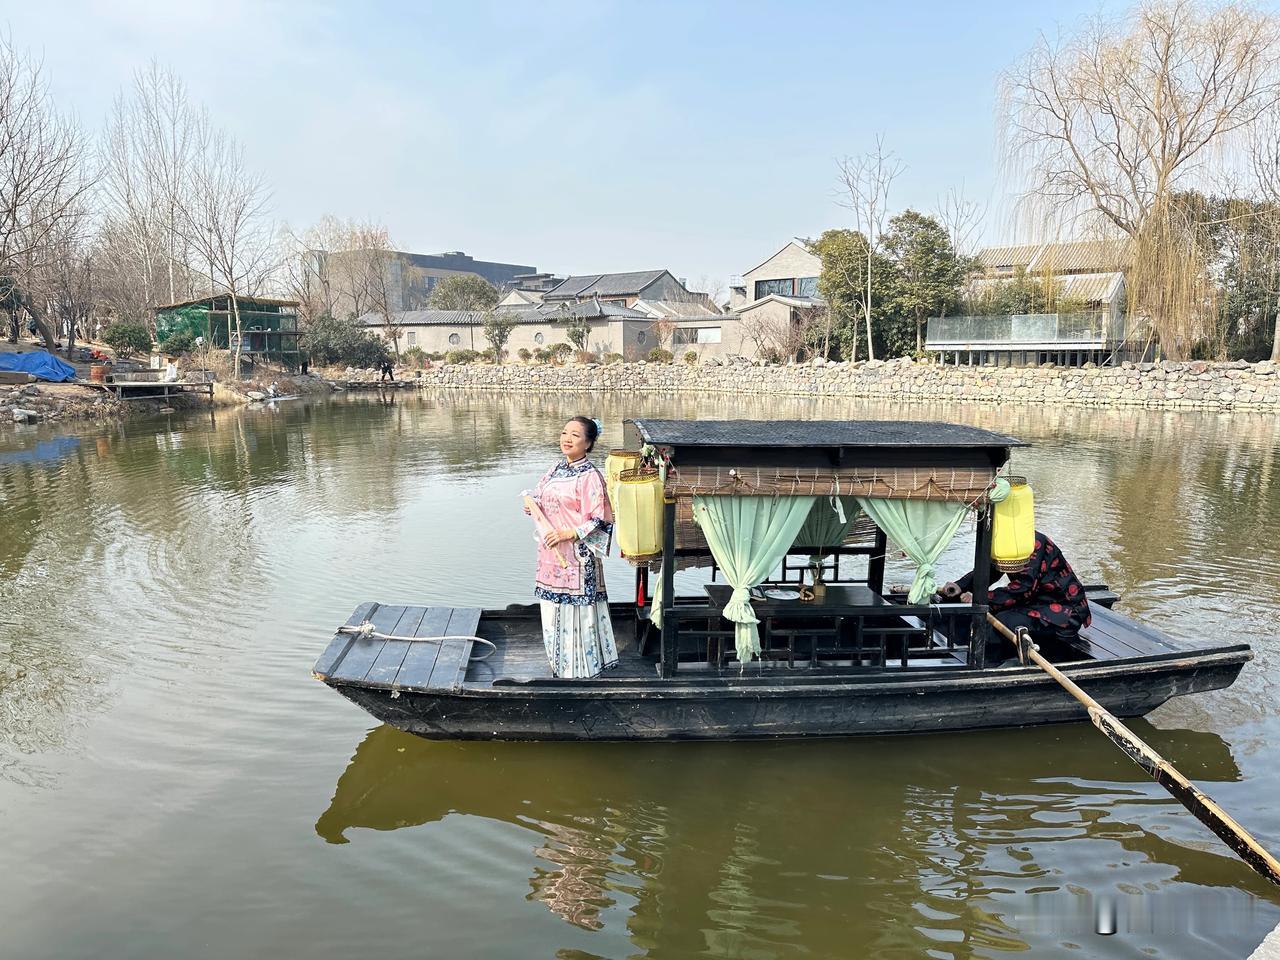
{"points": [[388, 371]]}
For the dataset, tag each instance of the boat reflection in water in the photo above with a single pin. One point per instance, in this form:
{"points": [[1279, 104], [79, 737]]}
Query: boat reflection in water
{"points": [[814, 843]]}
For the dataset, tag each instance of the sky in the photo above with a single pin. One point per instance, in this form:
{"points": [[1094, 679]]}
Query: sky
{"points": [[576, 137]]}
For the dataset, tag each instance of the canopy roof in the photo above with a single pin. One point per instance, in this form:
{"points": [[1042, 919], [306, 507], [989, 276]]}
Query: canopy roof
{"points": [[808, 434], [894, 459]]}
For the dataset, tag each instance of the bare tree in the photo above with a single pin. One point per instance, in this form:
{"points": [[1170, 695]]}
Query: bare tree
{"points": [[715, 289], [342, 268], [376, 262], [863, 187], [69, 281], [148, 150], [962, 218], [306, 269], [775, 335], [42, 177], [1111, 123], [223, 218], [664, 332]]}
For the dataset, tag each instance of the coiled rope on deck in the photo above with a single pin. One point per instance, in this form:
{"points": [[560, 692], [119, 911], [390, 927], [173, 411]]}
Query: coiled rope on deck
{"points": [[367, 631]]}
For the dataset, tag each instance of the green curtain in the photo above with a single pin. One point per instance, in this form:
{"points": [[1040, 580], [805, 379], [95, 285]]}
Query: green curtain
{"points": [[922, 528], [748, 537], [824, 528]]}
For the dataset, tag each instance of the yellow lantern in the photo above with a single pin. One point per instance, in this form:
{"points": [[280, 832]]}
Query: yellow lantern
{"points": [[1013, 529], [614, 464], [637, 513]]}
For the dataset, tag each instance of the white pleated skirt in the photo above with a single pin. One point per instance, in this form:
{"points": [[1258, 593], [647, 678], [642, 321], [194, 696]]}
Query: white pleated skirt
{"points": [[578, 638]]}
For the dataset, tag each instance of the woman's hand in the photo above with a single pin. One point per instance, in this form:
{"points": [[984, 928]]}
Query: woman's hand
{"points": [[966, 597], [554, 537]]}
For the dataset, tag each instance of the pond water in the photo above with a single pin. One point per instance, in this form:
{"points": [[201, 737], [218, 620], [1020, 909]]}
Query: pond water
{"points": [[174, 783]]}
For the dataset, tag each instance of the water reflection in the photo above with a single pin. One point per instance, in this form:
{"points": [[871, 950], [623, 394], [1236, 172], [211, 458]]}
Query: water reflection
{"points": [[795, 843], [164, 586]]}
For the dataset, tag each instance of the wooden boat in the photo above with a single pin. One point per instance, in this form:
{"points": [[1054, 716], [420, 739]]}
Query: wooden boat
{"points": [[858, 661]]}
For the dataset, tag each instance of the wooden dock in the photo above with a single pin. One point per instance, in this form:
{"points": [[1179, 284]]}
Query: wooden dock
{"points": [[126, 390]]}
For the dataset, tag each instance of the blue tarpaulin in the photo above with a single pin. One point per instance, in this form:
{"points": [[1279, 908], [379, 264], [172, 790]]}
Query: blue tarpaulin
{"points": [[45, 366]]}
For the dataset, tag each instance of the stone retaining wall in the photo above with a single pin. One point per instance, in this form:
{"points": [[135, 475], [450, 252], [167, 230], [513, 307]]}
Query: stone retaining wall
{"points": [[33, 403], [1193, 385]]}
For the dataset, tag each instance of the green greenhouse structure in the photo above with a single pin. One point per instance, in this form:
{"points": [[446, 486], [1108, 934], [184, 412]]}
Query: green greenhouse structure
{"points": [[268, 327]]}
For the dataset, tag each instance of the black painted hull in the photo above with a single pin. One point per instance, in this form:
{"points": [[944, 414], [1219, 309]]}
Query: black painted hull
{"points": [[755, 708]]}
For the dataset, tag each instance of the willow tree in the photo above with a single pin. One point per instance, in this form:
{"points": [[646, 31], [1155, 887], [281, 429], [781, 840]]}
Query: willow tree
{"points": [[1112, 122], [1266, 170]]}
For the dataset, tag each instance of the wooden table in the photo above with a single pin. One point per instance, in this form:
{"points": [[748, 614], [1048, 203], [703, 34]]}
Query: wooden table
{"points": [[841, 600]]}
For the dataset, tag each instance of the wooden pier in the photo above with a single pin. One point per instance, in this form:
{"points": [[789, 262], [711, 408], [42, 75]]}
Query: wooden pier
{"points": [[126, 390]]}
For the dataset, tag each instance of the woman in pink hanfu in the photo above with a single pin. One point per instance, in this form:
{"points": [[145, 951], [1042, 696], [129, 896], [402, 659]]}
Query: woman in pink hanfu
{"points": [[575, 608]]}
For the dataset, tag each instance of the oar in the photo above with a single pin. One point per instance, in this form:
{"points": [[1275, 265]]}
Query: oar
{"points": [[1161, 770]]}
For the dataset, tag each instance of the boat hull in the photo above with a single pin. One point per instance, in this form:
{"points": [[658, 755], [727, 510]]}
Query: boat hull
{"points": [[765, 707]]}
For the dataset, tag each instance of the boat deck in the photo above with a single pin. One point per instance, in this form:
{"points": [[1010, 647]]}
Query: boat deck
{"points": [[448, 664]]}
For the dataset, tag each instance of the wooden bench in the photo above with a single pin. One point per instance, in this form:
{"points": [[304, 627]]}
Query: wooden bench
{"points": [[427, 662]]}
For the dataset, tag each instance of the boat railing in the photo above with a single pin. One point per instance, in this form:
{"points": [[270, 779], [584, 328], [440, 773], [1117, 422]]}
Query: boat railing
{"points": [[891, 636]]}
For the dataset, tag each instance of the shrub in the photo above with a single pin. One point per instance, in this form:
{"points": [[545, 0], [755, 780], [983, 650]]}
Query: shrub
{"points": [[613, 358], [414, 358], [332, 341], [489, 354], [178, 343], [560, 352], [691, 356], [586, 356], [524, 354], [658, 355], [462, 356], [542, 355], [771, 355], [126, 339]]}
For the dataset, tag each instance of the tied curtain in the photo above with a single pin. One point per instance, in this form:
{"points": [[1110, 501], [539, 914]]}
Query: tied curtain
{"points": [[748, 537], [922, 528]]}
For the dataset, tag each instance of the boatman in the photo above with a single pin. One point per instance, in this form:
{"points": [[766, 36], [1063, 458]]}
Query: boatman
{"points": [[1045, 596]]}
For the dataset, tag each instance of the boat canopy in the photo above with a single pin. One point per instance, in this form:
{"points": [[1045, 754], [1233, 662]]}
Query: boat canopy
{"points": [[760, 490], [884, 459]]}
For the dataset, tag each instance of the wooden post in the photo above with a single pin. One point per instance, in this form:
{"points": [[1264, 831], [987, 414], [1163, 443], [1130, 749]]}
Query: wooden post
{"points": [[875, 565], [980, 631], [670, 634]]}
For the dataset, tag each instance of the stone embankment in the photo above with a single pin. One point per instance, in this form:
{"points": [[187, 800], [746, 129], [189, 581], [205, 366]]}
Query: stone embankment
{"points": [[1193, 385], [34, 403]]}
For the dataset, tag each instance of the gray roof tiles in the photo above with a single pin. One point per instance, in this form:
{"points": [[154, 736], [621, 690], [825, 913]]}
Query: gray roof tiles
{"points": [[605, 284]]}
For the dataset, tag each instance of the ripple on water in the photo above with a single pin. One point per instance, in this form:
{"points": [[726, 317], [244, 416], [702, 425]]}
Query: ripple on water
{"points": [[170, 593]]}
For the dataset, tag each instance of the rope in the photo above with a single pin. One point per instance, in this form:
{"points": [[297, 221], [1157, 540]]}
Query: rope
{"points": [[366, 631]]}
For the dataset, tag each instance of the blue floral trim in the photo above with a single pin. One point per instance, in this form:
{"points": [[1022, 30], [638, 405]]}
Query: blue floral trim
{"points": [[566, 469], [589, 593]]}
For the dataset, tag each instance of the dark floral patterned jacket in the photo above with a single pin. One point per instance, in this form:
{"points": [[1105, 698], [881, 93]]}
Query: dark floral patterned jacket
{"points": [[1046, 590]]}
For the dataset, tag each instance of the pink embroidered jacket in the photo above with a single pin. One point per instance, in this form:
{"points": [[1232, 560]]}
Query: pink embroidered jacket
{"points": [[572, 495]]}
